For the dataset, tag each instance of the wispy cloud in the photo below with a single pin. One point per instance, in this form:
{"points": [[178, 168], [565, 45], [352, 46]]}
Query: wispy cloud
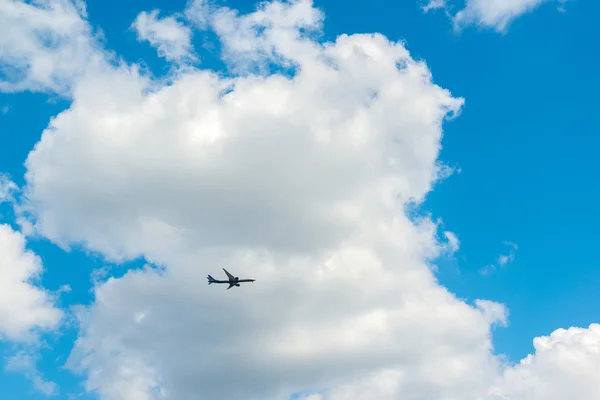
{"points": [[502, 260], [25, 362], [494, 14], [7, 188], [433, 5]]}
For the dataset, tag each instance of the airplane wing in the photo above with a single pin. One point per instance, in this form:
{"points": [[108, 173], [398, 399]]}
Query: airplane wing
{"points": [[230, 286], [231, 277]]}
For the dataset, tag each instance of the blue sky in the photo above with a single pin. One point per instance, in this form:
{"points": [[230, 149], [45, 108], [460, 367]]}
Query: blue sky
{"points": [[525, 143]]}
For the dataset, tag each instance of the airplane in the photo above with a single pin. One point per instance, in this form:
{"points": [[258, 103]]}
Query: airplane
{"points": [[233, 280]]}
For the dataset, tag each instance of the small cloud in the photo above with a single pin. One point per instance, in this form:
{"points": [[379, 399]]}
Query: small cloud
{"points": [[4, 110], [7, 188], [48, 388], [488, 269], [171, 38], [502, 260], [443, 172], [453, 243], [433, 5], [198, 12], [561, 8], [100, 275], [494, 14], [25, 362], [64, 289]]}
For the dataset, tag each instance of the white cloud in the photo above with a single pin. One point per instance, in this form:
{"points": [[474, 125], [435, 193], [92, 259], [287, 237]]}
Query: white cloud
{"points": [[497, 14], [7, 188], [494, 14], [300, 182], [46, 46], [273, 33], [25, 362], [453, 242], [434, 5], [565, 366], [171, 37], [198, 12], [495, 313], [306, 204], [24, 307], [503, 259]]}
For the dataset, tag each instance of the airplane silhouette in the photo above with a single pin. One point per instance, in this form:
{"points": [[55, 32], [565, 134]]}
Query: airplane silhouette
{"points": [[233, 280]]}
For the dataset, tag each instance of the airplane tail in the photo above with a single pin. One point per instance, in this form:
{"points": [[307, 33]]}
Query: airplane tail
{"points": [[210, 279]]}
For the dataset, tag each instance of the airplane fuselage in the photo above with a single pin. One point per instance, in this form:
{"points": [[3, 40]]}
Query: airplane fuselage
{"points": [[232, 281]]}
